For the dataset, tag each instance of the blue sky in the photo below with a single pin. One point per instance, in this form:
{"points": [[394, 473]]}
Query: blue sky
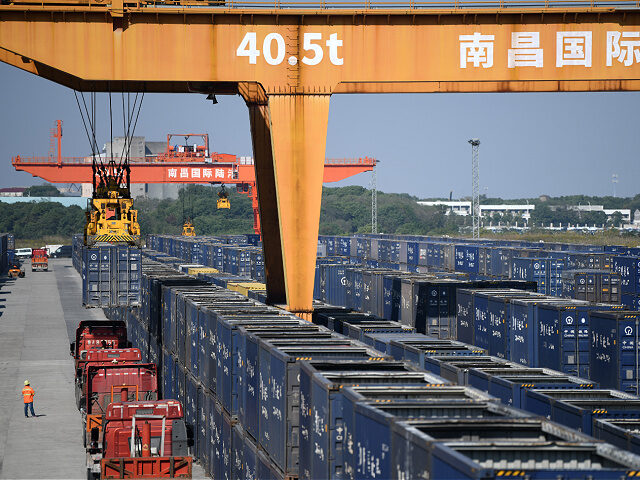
{"points": [[532, 144]]}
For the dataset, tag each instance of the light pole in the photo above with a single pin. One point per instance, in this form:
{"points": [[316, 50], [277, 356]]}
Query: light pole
{"points": [[475, 183]]}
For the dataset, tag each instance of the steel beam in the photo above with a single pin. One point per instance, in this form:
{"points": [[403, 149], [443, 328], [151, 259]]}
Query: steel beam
{"points": [[287, 62], [360, 52]]}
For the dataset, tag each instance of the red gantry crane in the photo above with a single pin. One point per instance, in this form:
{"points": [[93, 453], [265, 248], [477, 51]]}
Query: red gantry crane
{"points": [[180, 164]]}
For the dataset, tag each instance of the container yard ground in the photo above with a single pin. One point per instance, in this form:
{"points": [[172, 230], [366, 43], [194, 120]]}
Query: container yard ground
{"points": [[38, 316]]}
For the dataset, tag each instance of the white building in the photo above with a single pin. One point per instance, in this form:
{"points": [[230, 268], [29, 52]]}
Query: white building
{"points": [[464, 208], [459, 208], [625, 212]]}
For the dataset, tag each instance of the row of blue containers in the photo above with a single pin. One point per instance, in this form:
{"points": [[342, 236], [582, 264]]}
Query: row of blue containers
{"points": [[236, 254], [609, 274], [591, 340], [175, 244], [364, 242], [572, 401], [340, 281], [300, 400], [111, 274], [495, 259], [546, 272], [490, 257], [609, 415], [425, 301], [430, 306]]}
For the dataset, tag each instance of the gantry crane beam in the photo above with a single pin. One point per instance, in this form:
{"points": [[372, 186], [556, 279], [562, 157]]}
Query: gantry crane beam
{"points": [[152, 170], [286, 62]]}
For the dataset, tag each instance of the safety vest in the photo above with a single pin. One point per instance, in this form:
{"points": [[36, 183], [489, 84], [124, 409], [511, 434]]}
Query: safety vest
{"points": [[28, 393]]}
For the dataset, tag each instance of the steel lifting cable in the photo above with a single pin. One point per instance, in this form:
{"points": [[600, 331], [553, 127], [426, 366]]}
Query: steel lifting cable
{"points": [[90, 119], [127, 120], [135, 123], [183, 195], [110, 163], [124, 126], [190, 190], [125, 132], [82, 116], [91, 136], [130, 116]]}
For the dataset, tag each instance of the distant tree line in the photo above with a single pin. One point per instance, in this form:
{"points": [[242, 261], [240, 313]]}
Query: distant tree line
{"points": [[345, 210], [39, 219], [46, 190], [543, 215]]}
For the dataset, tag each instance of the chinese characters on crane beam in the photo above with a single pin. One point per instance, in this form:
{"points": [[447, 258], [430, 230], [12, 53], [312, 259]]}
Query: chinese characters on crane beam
{"points": [[200, 173], [572, 48]]}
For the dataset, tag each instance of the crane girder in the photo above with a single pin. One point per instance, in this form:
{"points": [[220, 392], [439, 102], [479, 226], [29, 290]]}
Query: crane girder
{"points": [[287, 62]]}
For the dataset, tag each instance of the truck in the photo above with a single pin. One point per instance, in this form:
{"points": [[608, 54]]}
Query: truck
{"points": [[108, 356], [39, 260], [102, 384], [51, 249], [97, 335], [141, 439], [65, 251]]}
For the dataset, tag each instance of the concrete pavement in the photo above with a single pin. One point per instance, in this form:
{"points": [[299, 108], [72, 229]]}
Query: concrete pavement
{"points": [[34, 345], [38, 317]]}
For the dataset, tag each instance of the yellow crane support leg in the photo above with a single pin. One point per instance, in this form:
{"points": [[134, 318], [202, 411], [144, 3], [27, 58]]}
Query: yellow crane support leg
{"points": [[267, 197], [289, 140], [299, 137]]}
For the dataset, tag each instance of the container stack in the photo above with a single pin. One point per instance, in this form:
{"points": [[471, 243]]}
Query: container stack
{"points": [[11, 247], [592, 285], [415, 280], [111, 274], [532, 329], [628, 267], [268, 395], [614, 350], [4, 251]]}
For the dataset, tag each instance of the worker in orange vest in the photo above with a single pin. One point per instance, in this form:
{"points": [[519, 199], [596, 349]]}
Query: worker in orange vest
{"points": [[27, 395]]}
